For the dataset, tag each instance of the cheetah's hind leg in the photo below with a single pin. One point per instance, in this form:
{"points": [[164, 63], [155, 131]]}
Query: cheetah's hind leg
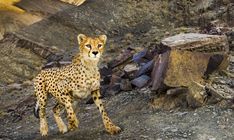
{"points": [[57, 109], [41, 95]]}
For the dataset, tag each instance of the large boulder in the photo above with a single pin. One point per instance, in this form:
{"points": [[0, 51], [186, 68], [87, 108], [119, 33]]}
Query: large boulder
{"points": [[190, 60], [185, 67]]}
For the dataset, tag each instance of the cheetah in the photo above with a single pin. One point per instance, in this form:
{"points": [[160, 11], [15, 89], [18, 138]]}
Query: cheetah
{"points": [[79, 79]]}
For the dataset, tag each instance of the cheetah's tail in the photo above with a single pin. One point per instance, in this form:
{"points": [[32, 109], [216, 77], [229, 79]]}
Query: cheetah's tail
{"points": [[36, 110]]}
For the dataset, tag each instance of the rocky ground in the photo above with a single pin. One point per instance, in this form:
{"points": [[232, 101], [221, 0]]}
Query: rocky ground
{"points": [[128, 23], [132, 112]]}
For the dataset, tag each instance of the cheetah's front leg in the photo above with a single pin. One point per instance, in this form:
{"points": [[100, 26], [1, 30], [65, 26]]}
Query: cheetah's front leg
{"points": [[109, 125], [72, 119]]}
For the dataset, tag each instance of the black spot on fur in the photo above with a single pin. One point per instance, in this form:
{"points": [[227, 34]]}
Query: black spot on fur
{"points": [[95, 98]]}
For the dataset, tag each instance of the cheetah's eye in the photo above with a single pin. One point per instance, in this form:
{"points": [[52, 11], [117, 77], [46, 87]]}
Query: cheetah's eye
{"points": [[88, 46], [99, 45]]}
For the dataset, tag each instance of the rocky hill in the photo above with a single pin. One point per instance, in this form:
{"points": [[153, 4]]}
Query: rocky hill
{"points": [[45, 36]]}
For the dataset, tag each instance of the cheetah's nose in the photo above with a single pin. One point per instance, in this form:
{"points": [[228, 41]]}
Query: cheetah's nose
{"points": [[95, 52]]}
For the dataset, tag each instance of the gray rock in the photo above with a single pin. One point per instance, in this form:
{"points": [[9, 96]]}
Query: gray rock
{"points": [[131, 68], [197, 42], [140, 81]]}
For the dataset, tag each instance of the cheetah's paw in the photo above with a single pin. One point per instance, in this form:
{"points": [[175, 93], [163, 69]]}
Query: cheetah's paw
{"points": [[112, 129]]}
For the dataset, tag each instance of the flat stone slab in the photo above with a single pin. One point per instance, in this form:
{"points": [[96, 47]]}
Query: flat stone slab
{"points": [[140, 81], [197, 42]]}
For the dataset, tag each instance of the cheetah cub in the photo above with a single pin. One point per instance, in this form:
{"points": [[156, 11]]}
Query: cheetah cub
{"points": [[77, 80]]}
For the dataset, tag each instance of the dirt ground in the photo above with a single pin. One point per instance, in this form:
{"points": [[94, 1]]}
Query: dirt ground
{"points": [[130, 110]]}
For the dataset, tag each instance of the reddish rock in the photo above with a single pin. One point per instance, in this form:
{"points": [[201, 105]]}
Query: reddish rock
{"points": [[159, 70]]}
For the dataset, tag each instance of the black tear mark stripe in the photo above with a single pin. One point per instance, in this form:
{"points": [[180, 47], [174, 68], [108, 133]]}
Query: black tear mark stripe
{"points": [[89, 52]]}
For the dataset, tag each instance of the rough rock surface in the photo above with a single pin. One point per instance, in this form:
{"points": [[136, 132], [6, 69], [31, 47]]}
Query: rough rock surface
{"points": [[197, 42], [184, 68], [17, 63], [199, 12]]}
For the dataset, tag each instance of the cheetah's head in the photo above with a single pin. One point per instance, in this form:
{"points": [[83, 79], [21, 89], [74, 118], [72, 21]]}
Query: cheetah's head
{"points": [[91, 48]]}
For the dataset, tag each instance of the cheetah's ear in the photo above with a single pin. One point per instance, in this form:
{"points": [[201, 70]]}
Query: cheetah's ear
{"points": [[103, 38], [81, 38]]}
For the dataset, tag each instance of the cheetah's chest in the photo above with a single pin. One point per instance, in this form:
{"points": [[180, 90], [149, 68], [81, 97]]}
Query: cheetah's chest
{"points": [[84, 92], [90, 83]]}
